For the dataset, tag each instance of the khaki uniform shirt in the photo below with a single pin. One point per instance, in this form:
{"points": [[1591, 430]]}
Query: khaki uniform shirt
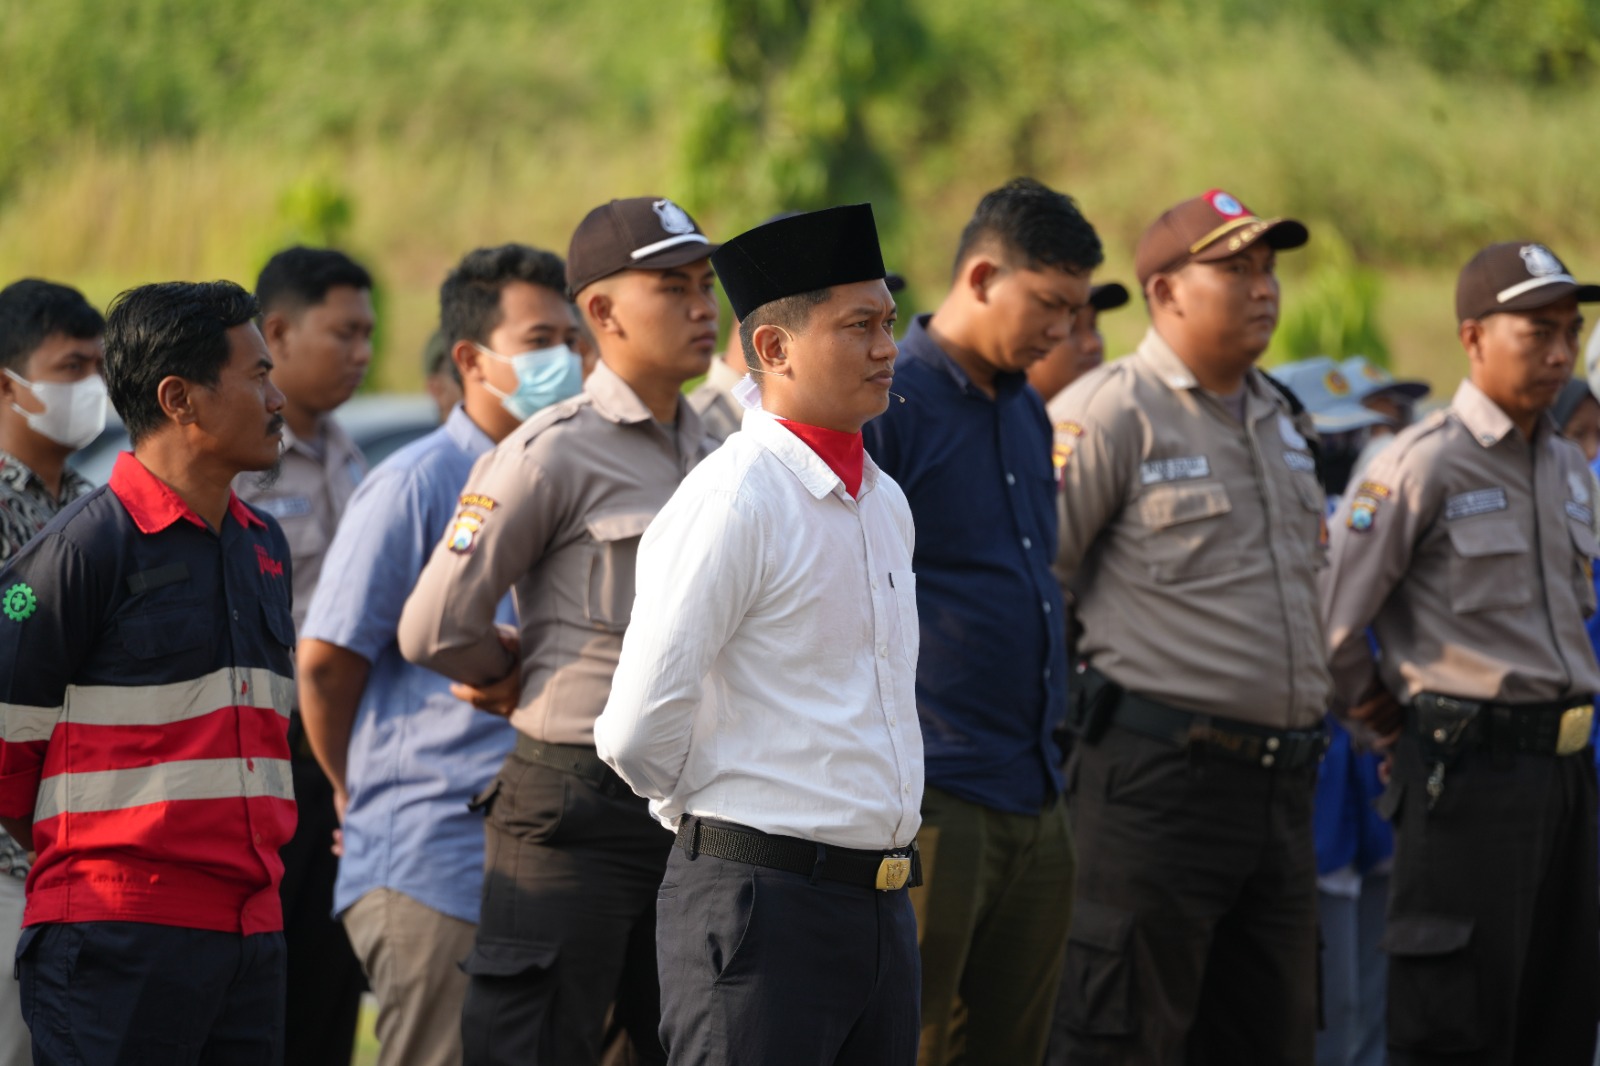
{"points": [[1191, 542], [554, 513], [1468, 549], [720, 414], [308, 499]]}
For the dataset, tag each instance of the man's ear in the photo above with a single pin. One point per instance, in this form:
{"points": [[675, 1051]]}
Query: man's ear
{"points": [[600, 311], [1471, 333], [274, 329], [466, 357], [176, 397], [978, 274], [770, 343], [1162, 293]]}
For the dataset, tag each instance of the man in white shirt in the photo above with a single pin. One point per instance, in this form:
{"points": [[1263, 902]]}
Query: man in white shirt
{"points": [[764, 703]]}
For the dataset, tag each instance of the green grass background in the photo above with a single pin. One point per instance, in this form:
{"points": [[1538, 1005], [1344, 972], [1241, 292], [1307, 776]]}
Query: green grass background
{"points": [[180, 138]]}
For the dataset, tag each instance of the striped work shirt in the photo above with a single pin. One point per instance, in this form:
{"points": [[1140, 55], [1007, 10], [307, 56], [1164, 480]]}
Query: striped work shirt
{"points": [[145, 687]]}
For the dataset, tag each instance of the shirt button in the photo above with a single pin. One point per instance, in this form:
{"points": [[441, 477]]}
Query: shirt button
{"points": [[1047, 669], [874, 584], [906, 788], [883, 651], [1026, 543], [258, 838], [1046, 606], [893, 720], [1011, 479]]}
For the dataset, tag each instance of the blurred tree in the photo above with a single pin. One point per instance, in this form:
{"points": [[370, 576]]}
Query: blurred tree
{"points": [[1333, 309], [784, 114]]}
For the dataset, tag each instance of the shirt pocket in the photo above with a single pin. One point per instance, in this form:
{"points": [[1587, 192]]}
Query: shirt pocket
{"points": [[1489, 565], [903, 589], [612, 565], [1188, 534], [1585, 549], [162, 630]]}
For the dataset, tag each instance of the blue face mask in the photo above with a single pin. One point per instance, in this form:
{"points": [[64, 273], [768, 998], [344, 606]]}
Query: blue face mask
{"points": [[544, 376]]}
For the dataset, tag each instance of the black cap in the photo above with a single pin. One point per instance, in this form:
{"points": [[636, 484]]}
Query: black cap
{"points": [[1516, 276], [642, 233], [802, 253], [1108, 297]]}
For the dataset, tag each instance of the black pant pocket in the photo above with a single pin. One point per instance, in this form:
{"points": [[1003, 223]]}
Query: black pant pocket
{"points": [[1097, 980], [1433, 984], [509, 1000]]}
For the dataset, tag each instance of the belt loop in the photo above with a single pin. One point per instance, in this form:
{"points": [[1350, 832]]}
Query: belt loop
{"points": [[1502, 735], [822, 860], [693, 849]]}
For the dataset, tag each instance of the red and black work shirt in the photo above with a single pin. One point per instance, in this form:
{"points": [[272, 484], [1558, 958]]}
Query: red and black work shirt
{"points": [[145, 686]]}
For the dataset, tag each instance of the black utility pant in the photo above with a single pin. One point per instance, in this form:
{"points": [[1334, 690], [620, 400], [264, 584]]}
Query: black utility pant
{"points": [[1194, 929], [1494, 950], [567, 930]]}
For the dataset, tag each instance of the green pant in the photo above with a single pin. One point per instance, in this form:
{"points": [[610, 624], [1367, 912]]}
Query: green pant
{"points": [[992, 917]]}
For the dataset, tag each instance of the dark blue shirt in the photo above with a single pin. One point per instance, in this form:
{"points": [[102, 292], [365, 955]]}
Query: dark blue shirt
{"points": [[991, 676]]}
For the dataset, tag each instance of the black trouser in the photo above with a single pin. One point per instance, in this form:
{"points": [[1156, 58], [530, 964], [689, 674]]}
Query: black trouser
{"points": [[132, 992], [325, 977], [567, 930], [1193, 935], [1492, 935], [763, 967]]}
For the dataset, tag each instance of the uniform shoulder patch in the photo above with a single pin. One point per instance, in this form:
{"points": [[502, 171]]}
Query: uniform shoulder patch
{"points": [[475, 499], [464, 532], [19, 602]]}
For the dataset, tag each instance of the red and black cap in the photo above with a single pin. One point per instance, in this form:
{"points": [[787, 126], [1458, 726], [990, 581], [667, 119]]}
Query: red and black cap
{"points": [[1207, 228], [641, 233], [1516, 276]]}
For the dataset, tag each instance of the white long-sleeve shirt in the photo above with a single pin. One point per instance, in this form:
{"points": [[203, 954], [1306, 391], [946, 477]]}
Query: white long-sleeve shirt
{"points": [[768, 674]]}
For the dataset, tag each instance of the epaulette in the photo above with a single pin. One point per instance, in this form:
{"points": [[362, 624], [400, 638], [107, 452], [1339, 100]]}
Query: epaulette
{"points": [[553, 415]]}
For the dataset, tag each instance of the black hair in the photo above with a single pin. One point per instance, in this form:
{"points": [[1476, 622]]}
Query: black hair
{"points": [[1033, 223], [469, 299], [299, 277], [791, 313], [32, 310], [174, 329]]}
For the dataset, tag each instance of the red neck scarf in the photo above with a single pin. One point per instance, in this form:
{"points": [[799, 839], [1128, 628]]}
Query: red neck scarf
{"points": [[843, 452]]}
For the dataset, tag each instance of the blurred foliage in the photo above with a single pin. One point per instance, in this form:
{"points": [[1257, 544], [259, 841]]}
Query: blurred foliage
{"points": [[1334, 310]]}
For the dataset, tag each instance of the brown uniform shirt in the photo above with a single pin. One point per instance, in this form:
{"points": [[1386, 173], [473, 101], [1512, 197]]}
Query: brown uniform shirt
{"points": [[1468, 550], [313, 488], [555, 513], [720, 414], [1191, 541]]}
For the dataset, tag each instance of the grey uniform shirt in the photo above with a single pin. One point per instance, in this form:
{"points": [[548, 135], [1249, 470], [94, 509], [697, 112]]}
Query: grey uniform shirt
{"points": [[315, 483], [555, 513], [1468, 549], [1191, 542], [720, 414]]}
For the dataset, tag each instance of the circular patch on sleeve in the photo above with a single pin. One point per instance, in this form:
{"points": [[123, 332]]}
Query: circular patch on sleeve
{"points": [[20, 602]]}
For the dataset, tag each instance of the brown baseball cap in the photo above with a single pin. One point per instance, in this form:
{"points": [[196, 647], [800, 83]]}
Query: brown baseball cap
{"points": [[1205, 229], [1515, 276], [640, 233]]}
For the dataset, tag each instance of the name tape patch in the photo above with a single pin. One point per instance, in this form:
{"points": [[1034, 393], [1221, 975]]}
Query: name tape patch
{"points": [[286, 506], [1300, 461], [1183, 468], [1476, 502]]}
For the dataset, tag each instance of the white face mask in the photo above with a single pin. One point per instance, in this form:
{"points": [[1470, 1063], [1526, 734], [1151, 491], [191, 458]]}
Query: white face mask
{"points": [[74, 413]]}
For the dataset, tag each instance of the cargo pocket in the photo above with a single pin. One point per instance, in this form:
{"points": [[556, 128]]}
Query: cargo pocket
{"points": [[612, 566], [1097, 981], [1433, 985], [1187, 538], [513, 990], [1490, 569]]}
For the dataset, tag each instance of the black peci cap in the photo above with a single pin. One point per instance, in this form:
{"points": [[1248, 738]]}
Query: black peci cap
{"points": [[800, 253]]}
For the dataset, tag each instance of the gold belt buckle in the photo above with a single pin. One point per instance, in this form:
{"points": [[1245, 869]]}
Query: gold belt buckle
{"points": [[895, 871], [1575, 723]]}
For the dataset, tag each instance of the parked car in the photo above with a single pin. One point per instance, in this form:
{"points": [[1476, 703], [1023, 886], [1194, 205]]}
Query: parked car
{"points": [[379, 424]]}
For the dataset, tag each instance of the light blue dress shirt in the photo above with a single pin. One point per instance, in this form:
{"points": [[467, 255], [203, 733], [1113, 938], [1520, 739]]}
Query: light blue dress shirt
{"points": [[417, 754]]}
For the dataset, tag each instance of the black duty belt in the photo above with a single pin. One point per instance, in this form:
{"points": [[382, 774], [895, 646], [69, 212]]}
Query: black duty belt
{"points": [[1274, 749], [1452, 723], [579, 760], [883, 870]]}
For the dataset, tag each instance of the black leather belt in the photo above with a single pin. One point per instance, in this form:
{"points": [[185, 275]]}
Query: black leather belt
{"points": [[580, 761], [1274, 749], [883, 870], [1452, 723]]}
